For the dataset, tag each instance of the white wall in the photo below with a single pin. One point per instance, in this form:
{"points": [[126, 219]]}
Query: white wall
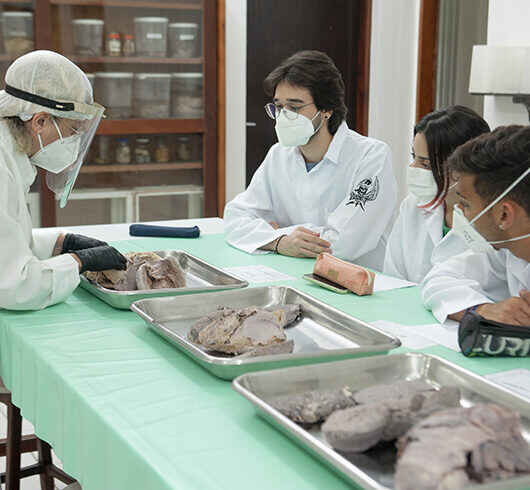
{"points": [[236, 95], [393, 73], [392, 84], [508, 25]]}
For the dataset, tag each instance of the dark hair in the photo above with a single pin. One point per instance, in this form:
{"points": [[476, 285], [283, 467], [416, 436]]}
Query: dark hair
{"points": [[445, 130], [496, 160], [316, 72]]}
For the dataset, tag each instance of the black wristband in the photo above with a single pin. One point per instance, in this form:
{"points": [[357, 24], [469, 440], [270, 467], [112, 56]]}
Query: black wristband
{"points": [[277, 243]]}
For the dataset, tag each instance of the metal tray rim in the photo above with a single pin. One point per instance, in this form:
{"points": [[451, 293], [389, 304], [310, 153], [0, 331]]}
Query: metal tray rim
{"points": [[239, 285], [222, 361], [330, 456]]}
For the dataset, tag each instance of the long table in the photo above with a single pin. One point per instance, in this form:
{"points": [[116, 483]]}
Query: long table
{"points": [[124, 410]]}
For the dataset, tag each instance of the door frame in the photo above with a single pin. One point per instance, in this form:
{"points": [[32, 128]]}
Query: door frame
{"points": [[427, 57], [362, 97]]}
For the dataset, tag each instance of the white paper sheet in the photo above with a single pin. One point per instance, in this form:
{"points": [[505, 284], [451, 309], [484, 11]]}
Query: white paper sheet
{"points": [[420, 336], [258, 273], [408, 335], [386, 283], [517, 380], [445, 334]]}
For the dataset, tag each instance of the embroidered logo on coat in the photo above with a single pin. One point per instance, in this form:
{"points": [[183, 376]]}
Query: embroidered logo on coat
{"points": [[366, 190]]}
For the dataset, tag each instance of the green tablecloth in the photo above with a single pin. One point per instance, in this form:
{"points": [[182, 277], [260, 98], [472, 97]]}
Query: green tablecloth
{"points": [[124, 410]]}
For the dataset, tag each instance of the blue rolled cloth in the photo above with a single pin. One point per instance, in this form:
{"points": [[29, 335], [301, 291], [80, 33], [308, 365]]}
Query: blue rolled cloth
{"points": [[164, 231]]}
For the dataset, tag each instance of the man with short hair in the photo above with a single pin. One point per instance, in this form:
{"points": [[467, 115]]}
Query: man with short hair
{"points": [[493, 216], [323, 187]]}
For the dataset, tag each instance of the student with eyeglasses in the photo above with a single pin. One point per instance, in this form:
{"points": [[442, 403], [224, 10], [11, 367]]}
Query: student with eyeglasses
{"points": [[323, 187], [420, 237]]}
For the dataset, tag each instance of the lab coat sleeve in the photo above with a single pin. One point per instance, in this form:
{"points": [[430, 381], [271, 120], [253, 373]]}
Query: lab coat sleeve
{"points": [[248, 215], [27, 283], [44, 241], [355, 227], [395, 263], [461, 282]]}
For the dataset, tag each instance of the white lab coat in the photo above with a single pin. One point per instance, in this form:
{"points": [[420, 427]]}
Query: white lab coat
{"points": [[349, 198], [417, 242], [30, 278], [473, 278]]}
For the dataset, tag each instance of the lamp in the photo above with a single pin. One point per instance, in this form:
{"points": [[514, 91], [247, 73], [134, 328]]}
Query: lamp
{"points": [[501, 70]]}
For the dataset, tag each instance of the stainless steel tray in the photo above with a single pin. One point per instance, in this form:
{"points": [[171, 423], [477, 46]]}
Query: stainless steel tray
{"points": [[200, 277], [321, 334], [373, 469]]}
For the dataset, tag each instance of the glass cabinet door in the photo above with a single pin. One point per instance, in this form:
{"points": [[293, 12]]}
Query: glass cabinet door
{"points": [[152, 65], [144, 60]]}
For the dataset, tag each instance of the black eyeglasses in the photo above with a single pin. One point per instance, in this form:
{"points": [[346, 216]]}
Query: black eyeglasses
{"points": [[291, 113]]}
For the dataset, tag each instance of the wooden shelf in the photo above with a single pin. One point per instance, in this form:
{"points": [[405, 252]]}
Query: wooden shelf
{"points": [[133, 59], [130, 3], [143, 167], [150, 126], [19, 2]]}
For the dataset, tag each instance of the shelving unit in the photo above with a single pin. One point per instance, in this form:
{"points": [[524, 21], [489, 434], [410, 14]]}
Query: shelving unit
{"points": [[151, 126], [53, 31], [170, 5], [135, 60], [140, 167]]}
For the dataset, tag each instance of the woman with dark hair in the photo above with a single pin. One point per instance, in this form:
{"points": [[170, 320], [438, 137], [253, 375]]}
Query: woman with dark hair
{"points": [[425, 217], [323, 187]]}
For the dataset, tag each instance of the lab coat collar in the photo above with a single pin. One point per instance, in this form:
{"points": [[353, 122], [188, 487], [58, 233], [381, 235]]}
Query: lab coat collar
{"points": [[434, 219], [27, 170], [332, 155], [520, 268], [336, 144]]}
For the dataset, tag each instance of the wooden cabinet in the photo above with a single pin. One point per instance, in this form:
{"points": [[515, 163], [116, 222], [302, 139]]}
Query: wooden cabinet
{"points": [[175, 172]]}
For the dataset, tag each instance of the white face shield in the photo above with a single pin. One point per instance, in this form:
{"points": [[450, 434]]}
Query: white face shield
{"points": [[62, 159]]}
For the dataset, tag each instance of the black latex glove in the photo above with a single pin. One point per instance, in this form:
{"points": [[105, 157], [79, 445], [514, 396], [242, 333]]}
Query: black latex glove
{"points": [[73, 242], [101, 258]]}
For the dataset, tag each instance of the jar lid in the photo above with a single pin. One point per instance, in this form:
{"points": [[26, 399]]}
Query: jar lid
{"points": [[94, 22], [183, 138], [152, 19], [186, 75], [122, 140], [90, 75], [114, 35], [142, 140], [183, 24], [145, 76], [18, 14], [107, 74]]}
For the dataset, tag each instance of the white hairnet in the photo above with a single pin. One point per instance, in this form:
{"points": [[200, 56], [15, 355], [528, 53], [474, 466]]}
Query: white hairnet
{"points": [[46, 74]]}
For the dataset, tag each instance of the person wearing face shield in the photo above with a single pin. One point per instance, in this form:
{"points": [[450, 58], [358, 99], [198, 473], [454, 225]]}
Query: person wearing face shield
{"points": [[418, 240], [322, 187], [47, 120], [492, 216]]}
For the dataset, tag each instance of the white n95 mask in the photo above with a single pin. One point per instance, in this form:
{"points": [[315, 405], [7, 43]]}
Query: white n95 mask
{"points": [[295, 131], [465, 229], [421, 184], [58, 155]]}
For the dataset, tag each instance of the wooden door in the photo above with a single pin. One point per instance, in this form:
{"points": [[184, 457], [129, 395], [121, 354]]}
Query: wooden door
{"points": [[277, 29]]}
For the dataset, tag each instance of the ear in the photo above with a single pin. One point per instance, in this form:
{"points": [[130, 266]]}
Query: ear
{"points": [[508, 213], [327, 114], [38, 122]]}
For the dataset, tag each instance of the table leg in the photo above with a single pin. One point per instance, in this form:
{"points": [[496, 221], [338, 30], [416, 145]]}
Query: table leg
{"points": [[45, 460], [14, 436]]}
